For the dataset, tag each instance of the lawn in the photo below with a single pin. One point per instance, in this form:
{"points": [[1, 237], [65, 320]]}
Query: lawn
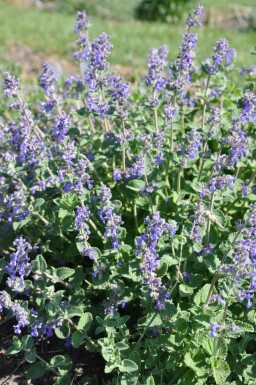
{"points": [[51, 34]]}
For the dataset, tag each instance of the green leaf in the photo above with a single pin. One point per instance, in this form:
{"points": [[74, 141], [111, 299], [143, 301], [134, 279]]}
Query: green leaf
{"points": [[39, 264], [170, 261], [220, 218], [38, 203], [18, 225], [77, 339], [66, 379], [117, 204], [150, 381], [185, 290], [245, 326], [196, 361], [209, 345], [37, 370], [121, 345], [13, 350], [202, 319], [109, 367], [212, 262], [85, 321], [64, 272], [63, 213], [201, 295], [30, 356], [220, 370], [68, 201], [27, 342], [62, 363], [163, 269], [129, 379], [63, 331], [197, 247], [135, 185], [128, 366]]}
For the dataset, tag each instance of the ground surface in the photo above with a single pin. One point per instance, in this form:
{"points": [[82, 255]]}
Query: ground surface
{"points": [[13, 368], [29, 36]]}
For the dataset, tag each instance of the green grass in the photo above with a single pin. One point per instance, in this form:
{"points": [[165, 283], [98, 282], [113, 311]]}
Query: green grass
{"points": [[52, 34]]}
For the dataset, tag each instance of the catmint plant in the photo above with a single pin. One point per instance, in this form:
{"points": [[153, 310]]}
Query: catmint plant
{"points": [[128, 217]]}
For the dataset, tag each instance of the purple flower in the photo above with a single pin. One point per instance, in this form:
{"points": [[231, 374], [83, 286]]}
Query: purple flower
{"points": [[218, 297], [195, 234], [248, 104], [193, 144], [149, 189], [183, 65], [19, 265], [67, 187], [237, 142], [170, 112], [97, 106], [193, 19], [62, 125], [109, 217], [48, 79], [222, 55], [138, 167], [119, 93], [69, 152], [157, 62], [214, 328], [82, 216], [82, 22], [17, 310], [214, 121], [248, 71], [117, 175], [221, 182], [95, 55], [199, 214], [146, 248], [10, 85], [186, 277]]}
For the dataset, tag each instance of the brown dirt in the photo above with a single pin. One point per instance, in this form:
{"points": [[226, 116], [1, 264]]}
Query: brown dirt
{"points": [[13, 368], [31, 62]]}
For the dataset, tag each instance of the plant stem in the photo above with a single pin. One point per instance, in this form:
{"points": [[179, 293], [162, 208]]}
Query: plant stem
{"points": [[201, 164], [144, 332], [135, 215], [216, 352], [149, 197], [155, 111], [123, 149], [179, 179], [93, 169], [215, 277], [95, 228], [208, 226], [47, 365]]}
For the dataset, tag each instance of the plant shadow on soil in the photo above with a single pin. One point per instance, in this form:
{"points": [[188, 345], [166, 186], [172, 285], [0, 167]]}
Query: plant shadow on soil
{"points": [[88, 368]]}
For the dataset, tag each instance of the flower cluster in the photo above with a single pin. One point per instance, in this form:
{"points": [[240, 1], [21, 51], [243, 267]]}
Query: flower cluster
{"points": [[16, 309], [81, 225], [194, 19], [106, 213], [223, 55], [146, 249], [157, 63], [19, 265]]}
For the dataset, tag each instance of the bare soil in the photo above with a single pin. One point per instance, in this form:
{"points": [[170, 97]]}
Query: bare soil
{"points": [[13, 368]]}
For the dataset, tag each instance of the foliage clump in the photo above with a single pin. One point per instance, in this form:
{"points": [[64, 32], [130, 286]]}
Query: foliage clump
{"points": [[128, 217], [162, 10]]}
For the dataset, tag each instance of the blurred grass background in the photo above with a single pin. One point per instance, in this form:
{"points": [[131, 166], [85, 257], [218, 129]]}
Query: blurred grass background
{"points": [[31, 34]]}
